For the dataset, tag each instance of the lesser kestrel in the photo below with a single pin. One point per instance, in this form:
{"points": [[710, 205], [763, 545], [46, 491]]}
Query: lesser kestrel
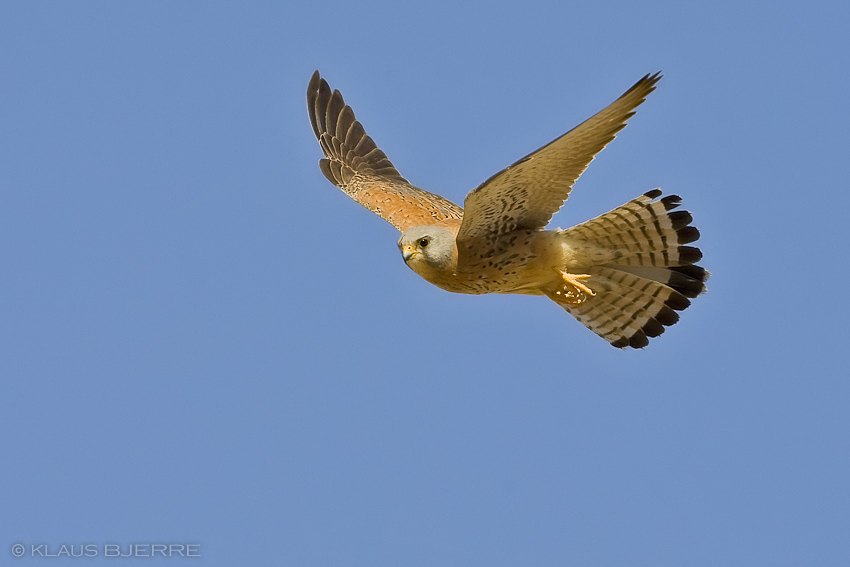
{"points": [[624, 274]]}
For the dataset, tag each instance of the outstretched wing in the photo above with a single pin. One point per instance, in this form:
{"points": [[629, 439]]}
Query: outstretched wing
{"points": [[355, 164], [528, 193]]}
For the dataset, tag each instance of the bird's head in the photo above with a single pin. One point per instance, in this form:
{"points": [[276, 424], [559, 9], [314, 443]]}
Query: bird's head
{"points": [[426, 248]]}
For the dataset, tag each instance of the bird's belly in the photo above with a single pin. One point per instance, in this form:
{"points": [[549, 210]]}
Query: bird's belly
{"points": [[508, 276], [523, 262]]}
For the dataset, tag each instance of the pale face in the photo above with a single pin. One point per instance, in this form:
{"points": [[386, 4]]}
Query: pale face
{"points": [[429, 245]]}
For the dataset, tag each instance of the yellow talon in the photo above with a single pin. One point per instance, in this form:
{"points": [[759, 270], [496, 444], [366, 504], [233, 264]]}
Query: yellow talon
{"points": [[579, 292]]}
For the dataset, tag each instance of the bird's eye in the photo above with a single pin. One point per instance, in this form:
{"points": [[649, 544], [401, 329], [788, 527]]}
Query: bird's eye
{"points": [[423, 243]]}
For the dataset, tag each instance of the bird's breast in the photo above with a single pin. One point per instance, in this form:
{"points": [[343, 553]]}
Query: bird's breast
{"points": [[522, 262]]}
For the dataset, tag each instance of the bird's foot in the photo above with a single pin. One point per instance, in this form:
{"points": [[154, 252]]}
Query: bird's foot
{"points": [[574, 292]]}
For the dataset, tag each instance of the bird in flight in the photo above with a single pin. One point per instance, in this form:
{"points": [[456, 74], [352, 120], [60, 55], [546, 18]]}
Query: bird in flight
{"points": [[624, 274]]}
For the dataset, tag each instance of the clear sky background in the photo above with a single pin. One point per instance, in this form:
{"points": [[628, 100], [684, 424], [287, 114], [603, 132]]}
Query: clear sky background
{"points": [[203, 341]]}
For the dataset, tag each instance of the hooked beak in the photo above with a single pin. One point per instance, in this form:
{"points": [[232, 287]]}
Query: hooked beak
{"points": [[407, 252]]}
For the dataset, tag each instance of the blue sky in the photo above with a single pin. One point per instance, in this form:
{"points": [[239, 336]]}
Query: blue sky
{"points": [[204, 342]]}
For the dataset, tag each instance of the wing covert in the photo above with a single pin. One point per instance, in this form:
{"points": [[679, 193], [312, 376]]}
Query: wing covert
{"points": [[528, 193]]}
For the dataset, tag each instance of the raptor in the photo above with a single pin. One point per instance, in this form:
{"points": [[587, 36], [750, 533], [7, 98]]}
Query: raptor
{"points": [[624, 274]]}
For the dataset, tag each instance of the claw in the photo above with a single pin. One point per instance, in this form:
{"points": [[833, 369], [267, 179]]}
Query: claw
{"points": [[574, 292]]}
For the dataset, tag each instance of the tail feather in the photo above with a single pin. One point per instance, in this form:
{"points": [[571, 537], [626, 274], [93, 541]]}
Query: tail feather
{"points": [[627, 309], [645, 232], [687, 280], [652, 275]]}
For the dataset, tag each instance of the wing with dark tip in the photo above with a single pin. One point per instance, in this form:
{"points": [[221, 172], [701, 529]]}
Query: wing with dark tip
{"points": [[528, 193], [357, 166]]}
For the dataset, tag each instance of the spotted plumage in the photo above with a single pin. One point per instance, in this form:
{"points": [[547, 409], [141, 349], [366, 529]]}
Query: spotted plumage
{"points": [[624, 274]]}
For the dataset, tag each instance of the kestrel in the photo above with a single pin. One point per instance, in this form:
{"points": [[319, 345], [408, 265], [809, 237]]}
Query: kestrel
{"points": [[624, 274]]}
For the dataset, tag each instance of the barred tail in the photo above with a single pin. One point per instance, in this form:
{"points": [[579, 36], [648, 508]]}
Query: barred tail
{"points": [[652, 275]]}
